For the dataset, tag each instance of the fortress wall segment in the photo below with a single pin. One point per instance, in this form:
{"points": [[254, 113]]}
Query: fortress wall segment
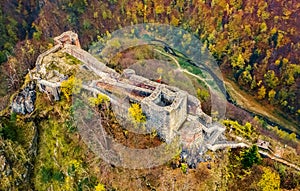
{"points": [[193, 103], [157, 120], [39, 59], [203, 116], [49, 87], [194, 108], [139, 79], [87, 59], [178, 114], [191, 134]]}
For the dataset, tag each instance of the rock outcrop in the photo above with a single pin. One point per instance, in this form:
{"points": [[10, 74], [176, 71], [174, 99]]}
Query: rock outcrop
{"points": [[23, 103]]}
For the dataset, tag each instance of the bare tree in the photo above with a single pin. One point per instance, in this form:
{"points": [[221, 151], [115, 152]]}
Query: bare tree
{"points": [[13, 80]]}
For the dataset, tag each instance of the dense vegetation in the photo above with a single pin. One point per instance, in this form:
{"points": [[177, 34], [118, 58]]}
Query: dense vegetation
{"points": [[256, 44], [63, 161]]}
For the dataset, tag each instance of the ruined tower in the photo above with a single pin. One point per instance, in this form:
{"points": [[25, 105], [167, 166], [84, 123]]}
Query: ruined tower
{"points": [[68, 37], [166, 111]]}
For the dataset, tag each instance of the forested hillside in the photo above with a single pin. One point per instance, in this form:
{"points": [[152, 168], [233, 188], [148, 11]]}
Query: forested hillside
{"points": [[255, 42]]}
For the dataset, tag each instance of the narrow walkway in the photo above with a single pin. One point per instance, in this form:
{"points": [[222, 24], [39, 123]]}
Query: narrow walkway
{"points": [[279, 160], [267, 154]]}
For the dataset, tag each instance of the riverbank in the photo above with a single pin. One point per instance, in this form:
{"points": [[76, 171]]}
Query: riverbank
{"points": [[247, 102]]}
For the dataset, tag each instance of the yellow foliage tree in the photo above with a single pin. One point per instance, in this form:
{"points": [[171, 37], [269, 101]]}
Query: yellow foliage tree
{"points": [[292, 137], [174, 21], [263, 27], [68, 184], [136, 113], [71, 86], [246, 130], [271, 95], [99, 187], [271, 79], [270, 181], [94, 101], [159, 9], [238, 62], [261, 92], [202, 94]]}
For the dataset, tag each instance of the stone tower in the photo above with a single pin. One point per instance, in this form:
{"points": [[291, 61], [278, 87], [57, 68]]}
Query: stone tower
{"points": [[68, 37], [166, 111]]}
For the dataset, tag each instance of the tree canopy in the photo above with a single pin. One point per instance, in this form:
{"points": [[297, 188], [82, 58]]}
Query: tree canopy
{"points": [[251, 157]]}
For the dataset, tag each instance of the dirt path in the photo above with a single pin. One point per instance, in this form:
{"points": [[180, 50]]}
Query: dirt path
{"points": [[183, 70], [244, 101]]}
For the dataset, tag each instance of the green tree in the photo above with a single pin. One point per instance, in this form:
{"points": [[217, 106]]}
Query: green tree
{"points": [[77, 6], [271, 79], [245, 78], [37, 34], [253, 83], [9, 30], [46, 174], [184, 167], [250, 157]]}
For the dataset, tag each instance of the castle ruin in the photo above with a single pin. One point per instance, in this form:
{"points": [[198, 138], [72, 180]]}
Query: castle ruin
{"points": [[169, 110]]}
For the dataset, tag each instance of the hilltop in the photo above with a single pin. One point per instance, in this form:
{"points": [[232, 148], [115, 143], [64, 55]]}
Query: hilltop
{"points": [[255, 43]]}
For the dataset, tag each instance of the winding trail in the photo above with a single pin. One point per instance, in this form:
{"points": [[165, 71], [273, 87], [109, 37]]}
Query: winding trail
{"points": [[279, 160], [182, 70]]}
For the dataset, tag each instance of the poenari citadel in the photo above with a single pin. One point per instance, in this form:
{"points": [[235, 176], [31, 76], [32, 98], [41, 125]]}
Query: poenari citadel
{"points": [[170, 110]]}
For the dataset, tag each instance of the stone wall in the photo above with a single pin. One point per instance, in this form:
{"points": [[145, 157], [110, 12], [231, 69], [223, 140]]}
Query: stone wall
{"points": [[87, 59], [39, 59], [49, 88]]}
